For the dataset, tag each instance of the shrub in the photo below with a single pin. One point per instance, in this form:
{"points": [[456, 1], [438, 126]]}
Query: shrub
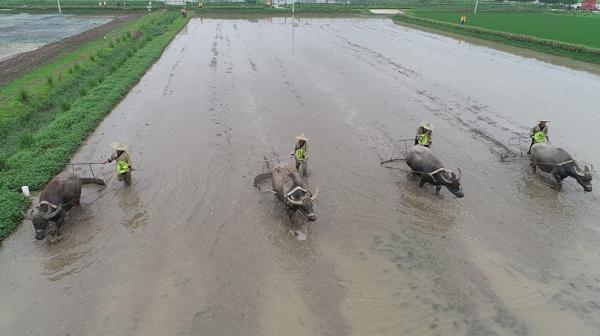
{"points": [[50, 80], [3, 163], [65, 105], [24, 95], [26, 140], [92, 58]]}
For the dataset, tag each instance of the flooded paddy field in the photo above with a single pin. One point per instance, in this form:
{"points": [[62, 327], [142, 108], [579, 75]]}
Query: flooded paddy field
{"points": [[25, 32], [193, 249]]}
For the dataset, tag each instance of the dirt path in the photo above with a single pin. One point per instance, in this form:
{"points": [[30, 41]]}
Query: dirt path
{"points": [[193, 249], [20, 64]]}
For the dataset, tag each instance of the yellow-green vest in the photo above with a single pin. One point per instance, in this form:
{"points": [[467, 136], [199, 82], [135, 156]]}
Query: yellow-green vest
{"points": [[122, 166], [299, 154], [539, 137], [423, 139]]}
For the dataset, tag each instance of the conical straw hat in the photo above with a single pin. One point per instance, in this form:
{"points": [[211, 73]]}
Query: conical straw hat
{"points": [[119, 146], [301, 137], [427, 125]]}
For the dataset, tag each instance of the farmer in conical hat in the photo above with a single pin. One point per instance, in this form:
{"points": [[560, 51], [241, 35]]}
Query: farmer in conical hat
{"points": [[424, 131], [300, 153], [123, 161], [538, 133]]}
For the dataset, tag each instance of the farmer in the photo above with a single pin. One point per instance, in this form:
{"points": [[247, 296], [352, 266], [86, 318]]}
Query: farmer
{"points": [[123, 162], [539, 133], [463, 19], [423, 137], [300, 153]]}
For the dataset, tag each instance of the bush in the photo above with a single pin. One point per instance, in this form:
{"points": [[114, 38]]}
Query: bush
{"points": [[3, 163], [24, 95], [26, 140], [50, 80], [65, 105], [92, 58]]}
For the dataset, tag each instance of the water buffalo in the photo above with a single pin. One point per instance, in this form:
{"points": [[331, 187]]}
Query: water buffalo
{"points": [[430, 169], [560, 164], [291, 188], [58, 197]]}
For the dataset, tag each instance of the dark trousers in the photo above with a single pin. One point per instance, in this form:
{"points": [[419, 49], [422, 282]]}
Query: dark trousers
{"points": [[125, 177]]}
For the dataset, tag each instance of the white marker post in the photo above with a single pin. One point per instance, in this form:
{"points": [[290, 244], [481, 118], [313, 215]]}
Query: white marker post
{"points": [[59, 10], [476, 3]]}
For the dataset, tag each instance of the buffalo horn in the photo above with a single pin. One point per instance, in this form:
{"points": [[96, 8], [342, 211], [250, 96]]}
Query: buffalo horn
{"points": [[578, 172], [52, 214], [444, 178], [459, 173], [314, 196]]}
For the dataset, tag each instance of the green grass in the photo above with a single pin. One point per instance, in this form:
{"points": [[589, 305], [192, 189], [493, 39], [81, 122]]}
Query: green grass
{"points": [[573, 28], [38, 137], [554, 47]]}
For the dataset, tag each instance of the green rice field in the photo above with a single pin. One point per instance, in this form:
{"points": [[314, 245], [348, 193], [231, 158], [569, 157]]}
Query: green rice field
{"points": [[577, 28]]}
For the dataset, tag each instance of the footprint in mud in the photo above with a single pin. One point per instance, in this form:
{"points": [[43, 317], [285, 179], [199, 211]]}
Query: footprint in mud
{"points": [[139, 219], [299, 235]]}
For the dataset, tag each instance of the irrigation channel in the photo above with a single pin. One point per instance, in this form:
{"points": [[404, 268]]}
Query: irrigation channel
{"points": [[193, 249]]}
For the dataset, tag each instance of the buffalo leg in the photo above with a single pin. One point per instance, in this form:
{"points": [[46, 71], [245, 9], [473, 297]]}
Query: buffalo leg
{"points": [[557, 177], [422, 181], [437, 190]]}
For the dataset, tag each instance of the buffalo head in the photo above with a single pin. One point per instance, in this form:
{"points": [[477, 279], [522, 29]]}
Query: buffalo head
{"points": [[584, 178], [302, 199], [452, 182], [44, 224]]}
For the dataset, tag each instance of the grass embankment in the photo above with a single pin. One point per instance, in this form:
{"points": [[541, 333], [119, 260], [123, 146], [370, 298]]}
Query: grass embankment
{"points": [[46, 114], [570, 35]]}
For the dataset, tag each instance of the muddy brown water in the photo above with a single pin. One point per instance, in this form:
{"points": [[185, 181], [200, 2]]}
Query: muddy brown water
{"points": [[193, 249]]}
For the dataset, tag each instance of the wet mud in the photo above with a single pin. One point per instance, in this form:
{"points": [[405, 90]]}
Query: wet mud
{"points": [[192, 248]]}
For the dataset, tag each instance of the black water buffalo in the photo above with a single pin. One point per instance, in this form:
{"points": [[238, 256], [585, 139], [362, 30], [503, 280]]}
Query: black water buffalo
{"points": [[430, 169], [291, 188], [58, 197], [560, 164]]}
